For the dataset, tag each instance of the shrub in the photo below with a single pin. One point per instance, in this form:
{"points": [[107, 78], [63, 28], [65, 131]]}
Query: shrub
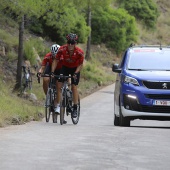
{"points": [[115, 28], [30, 45], [144, 10]]}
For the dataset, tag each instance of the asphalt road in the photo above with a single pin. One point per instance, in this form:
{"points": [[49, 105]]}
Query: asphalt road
{"points": [[93, 144]]}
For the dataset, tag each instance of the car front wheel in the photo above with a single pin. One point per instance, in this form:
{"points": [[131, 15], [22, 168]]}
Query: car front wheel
{"points": [[123, 121], [116, 120]]}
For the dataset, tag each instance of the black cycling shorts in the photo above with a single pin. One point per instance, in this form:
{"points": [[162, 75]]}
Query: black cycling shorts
{"points": [[66, 71], [48, 71]]}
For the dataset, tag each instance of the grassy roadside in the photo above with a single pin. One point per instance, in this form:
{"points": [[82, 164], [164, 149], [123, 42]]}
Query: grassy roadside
{"points": [[15, 110]]}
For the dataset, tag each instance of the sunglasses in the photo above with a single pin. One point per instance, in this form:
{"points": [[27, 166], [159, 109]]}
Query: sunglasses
{"points": [[71, 42]]}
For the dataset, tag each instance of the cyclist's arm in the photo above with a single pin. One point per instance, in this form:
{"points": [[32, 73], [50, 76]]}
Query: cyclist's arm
{"points": [[43, 64], [81, 60], [41, 70], [79, 68]]}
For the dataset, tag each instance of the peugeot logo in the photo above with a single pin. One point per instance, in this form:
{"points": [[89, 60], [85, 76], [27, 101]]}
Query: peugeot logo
{"points": [[164, 85]]}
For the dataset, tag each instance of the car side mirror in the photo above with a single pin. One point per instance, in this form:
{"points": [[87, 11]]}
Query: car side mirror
{"points": [[115, 68]]}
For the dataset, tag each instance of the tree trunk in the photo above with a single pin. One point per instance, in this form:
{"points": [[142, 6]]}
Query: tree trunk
{"points": [[20, 55], [89, 37]]}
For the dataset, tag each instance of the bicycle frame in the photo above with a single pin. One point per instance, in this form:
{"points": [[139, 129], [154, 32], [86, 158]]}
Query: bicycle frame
{"points": [[26, 82], [66, 101], [51, 95]]}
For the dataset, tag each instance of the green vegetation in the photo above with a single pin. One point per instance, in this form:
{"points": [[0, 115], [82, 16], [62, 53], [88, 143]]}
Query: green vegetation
{"points": [[33, 46], [115, 28], [15, 110], [55, 19], [144, 10], [8, 39]]}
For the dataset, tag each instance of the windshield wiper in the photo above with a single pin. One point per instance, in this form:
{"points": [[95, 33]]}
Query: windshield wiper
{"points": [[138, 69]]}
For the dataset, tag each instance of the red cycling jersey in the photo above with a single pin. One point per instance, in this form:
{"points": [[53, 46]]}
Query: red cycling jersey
{"points": [[48, 58], [70, 61]]}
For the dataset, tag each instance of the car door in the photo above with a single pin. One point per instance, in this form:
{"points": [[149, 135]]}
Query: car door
{"points": [[117, 92]]}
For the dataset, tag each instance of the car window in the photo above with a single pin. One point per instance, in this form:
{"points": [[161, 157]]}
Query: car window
{"points": [[149, 60], [123, 60]]}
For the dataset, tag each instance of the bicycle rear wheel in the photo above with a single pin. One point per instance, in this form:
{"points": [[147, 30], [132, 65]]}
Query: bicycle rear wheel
{"points": [[48, 108], [23, 84], [62, 108], [76, 120]]}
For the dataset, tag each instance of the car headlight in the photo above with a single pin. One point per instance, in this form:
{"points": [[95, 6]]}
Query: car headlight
{"points": [[131, 80]]}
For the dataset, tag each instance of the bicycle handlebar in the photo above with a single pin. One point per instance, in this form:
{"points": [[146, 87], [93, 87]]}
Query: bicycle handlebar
{"points": [[57, 76]]}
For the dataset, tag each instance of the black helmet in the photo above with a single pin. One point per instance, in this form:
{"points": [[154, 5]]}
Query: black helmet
{"points": [[72, 38]]}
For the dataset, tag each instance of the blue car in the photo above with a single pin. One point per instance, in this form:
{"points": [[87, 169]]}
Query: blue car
{"points": [[142, 87]]}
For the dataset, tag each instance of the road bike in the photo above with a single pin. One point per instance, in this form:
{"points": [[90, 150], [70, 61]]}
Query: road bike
{"points": [[50, 98], [26, 81], [66, 101]]}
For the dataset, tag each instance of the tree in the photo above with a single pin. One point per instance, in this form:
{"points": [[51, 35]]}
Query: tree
{"points": [[90, 6], [20, 8], [59, 22], [116, 28], [20, 54]]}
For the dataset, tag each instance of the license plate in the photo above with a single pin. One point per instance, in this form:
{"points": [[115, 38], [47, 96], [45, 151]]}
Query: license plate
{"points": [[161, 103]]}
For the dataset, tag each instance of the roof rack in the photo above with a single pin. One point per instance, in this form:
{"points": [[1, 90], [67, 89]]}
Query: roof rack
{"points": [[143, 45]]}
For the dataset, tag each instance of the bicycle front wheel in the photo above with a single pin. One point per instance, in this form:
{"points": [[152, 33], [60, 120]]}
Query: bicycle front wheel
{"points": [[62, 108], [76, 120], [48, 108]]}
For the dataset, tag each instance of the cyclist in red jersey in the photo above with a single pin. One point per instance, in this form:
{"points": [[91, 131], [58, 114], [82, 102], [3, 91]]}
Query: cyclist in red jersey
{"points": [[46, 66], [72, 58], [46, 69]]}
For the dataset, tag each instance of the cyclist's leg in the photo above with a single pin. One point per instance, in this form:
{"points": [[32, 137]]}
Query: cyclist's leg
{"points": [[74, 83], [46, 79], [75, 93], [74, 88], [76, 107], [45, 84], [58, 88]]}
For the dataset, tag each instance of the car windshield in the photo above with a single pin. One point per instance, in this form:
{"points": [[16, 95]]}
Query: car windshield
{"points": [[149, 60]]}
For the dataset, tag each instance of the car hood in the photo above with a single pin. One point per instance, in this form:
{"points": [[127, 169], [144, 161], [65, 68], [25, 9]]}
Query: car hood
{"points": [[150, 75]]}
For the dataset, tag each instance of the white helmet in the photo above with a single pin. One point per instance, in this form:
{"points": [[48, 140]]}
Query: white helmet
{"points": [[54, 49]]}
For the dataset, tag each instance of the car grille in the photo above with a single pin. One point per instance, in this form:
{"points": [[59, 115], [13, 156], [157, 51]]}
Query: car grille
{"points": [[132, 104], [157, 96], [155, 109], [157, 85]]}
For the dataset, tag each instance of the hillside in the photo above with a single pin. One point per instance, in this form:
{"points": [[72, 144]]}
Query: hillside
{"points": [[161, 33]]}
